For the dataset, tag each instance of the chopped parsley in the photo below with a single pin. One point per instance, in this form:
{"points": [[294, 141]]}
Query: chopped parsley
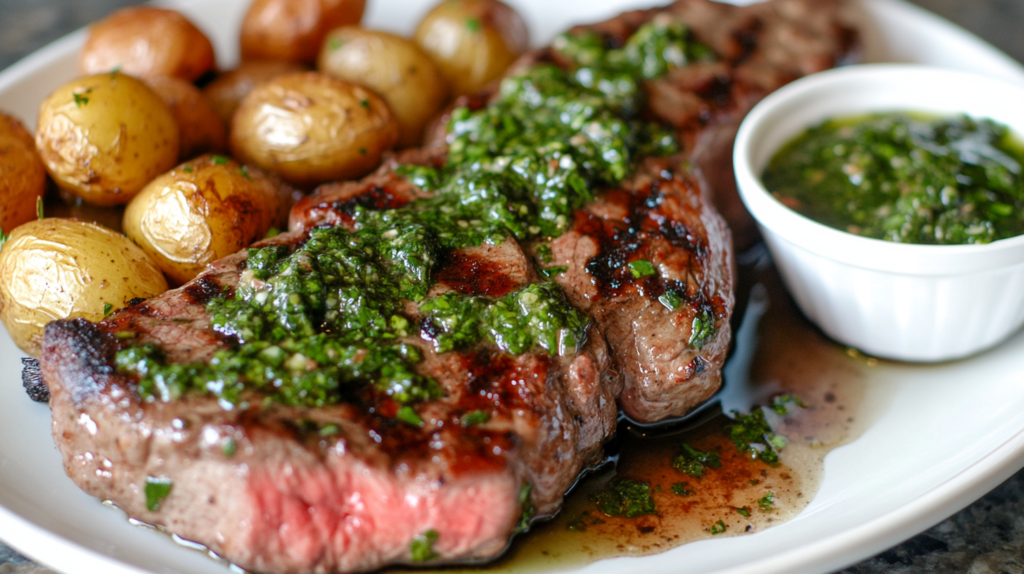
{"points": [[694, 462], [717, 528], [681, 489], [641, 268], [526, 503], [421, 549], [409, 415], [156, 490], [475, 418], [473, 25], [107, 308], [625, 497], [81, 98], [752, 435], [767, 502], [743, 511], [780, 402]]}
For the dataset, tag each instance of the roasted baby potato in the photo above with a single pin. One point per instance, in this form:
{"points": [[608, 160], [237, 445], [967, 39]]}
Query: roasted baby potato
{"points": [[104, 137], [392, 66], [22, 175], [472, 41], [310, 128], [293, 30], [147, 42], [63, 268], [201, 129], [203, 210], [227, 91]]}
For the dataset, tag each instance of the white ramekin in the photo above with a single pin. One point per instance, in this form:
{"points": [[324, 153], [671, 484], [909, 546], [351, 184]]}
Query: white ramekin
{"points": [[891, 300]]}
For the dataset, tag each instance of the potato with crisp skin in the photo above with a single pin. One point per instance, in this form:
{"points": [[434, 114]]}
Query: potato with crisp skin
{"points": [[64, 268], [293, 30], [146, 42], [227, 91], [310, 128], [22, 175], [472, 42], [203, 210], [201, 129], [106, 136], [392, 66]]}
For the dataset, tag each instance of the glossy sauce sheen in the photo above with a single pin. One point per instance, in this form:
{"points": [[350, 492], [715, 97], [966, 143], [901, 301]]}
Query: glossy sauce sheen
{"points": [[777, 352]]}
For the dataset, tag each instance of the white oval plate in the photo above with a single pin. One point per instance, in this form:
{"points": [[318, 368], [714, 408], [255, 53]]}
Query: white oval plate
{"points": [[942, 436]]}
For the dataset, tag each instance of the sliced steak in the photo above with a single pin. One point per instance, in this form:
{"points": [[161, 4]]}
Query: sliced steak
{"points": [[340, 488]]}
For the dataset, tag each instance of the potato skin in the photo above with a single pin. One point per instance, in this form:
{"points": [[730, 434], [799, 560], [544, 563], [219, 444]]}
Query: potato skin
{"points": [[104, 137], [22, 175], [63, 268], [310, 128], [228, 89], [147, 42], [472, 42], [201, 129], [392, 66], [203, 210], [293, 30]]}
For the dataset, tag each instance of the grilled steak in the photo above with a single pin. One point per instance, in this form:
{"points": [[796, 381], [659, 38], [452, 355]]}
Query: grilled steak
{"points": [[367, 481], [339, 488]]}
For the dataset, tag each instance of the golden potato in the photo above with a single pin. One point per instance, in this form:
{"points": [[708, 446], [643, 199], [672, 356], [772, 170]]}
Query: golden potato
{"points": [[104, 137], [392, 66], [203, 210], [22, 175], [227, 91], [146, 42], [63, 268], [293, 30], [472, 41], [202, 130], [310, 128]]}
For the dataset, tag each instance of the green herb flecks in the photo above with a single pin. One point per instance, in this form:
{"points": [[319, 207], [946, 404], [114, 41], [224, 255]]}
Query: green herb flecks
{"points": [[743, 511], [752, 435], [81, 98], [409, 416], [107, 308], [421, 549], [767, 502], [526, 503], [718, 527], [625, 497], [681, 489], [157, 489], [537, 315], [641, 268], [694, 462], [702, 328], [780, 403], [475, 418]]}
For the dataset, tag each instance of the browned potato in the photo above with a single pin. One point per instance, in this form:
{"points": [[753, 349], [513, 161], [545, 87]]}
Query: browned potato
{"points": [[293, 30], [201, 128], [395, 68], [472, 41], [310, 128], [227, 91], [203, 210], [22, 175], [146, 42], [104, 137], [63, 268]]}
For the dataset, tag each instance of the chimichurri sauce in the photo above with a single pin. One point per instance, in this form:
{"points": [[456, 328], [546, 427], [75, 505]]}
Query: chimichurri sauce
{"points": [[307, 326], [901, 177]]}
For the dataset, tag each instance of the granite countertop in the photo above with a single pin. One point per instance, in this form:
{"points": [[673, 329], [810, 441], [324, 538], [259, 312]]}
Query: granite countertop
{"points": [[986, 537]]}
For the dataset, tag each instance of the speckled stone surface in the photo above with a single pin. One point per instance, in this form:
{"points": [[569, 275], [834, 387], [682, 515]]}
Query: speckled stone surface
{"points": [[985, 538]]}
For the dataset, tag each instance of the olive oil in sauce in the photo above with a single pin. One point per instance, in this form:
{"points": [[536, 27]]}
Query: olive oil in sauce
{"points": [[778, 353]]}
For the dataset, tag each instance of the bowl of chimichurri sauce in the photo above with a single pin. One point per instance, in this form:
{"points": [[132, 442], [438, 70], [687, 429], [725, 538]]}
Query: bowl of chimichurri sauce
{"points": [[891, 197]]}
